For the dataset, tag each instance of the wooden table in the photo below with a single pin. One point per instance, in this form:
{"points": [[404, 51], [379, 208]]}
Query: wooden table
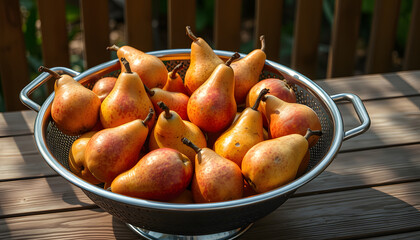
{"points": [[371, 190]]}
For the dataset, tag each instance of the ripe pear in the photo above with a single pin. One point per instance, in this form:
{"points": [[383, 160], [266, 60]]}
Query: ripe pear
{"points": [[112, 151], [244, 133], [75, 108], [150, 68], [104, 86], [185, 197], [212, 107], [127, 101], [162, 175], [176, 101], [77, 161], [216, 178], [288, 118], [174, 83], [275, 162], [170, 128], [202, 63], [247, 72]]}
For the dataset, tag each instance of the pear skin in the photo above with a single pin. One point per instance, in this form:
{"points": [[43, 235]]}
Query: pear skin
{"points": [[112, 151], [247, 72], [104, 86], [150, 69], [216, 178], [75, 108], [77, 161], [212, 107], [126, 102], [174, 83], [162, 175], [202, 63], [176, 101]]}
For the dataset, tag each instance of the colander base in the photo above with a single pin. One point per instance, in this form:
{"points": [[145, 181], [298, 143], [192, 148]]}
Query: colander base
{"points": [[232, 234]]}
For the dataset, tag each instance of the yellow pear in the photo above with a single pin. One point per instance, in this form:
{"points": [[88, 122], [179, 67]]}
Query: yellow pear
{"points": [[174, 83]]}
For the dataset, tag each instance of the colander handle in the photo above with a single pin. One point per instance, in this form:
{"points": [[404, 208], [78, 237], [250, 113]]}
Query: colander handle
{"points": [[37, 82], [361, 113]]}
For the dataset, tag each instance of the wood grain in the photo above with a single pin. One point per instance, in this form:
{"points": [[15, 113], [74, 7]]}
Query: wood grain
{"points": [[345, 33], [181, 13], [13, 64], [227, 25], [17, 123], [138, 24]]}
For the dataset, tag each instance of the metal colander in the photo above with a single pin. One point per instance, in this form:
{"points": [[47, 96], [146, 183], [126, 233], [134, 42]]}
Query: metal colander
{"points": [[154, 219]]}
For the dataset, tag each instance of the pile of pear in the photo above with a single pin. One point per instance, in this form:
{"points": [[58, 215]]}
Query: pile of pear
{"points": [[219, 134]]}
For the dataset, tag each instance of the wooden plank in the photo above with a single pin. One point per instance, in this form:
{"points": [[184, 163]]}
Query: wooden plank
{"points": [[95, 28], [55, 48], [359, 169], [306, 37], [268, 16], [404, 235], [17, 123], [382, 36], [375, 86], [24, 197], [349, 214], [412, 49], [13, 64], [345, 33], [227, 25], [138, 24], [356, 213], [181, 13]]}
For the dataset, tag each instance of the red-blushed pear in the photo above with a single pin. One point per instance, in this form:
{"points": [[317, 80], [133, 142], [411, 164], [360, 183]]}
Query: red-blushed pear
{"points": [[162, 175], [77, 161], [288, 118], [150, 68], [170, 128], [244, 133], [75, 108], [127, 101], [275, 162], [112, 151], [247, 72], [174, 83], [202, 63], [212, 107], [216, 178], [176, 101], [103, 87]]}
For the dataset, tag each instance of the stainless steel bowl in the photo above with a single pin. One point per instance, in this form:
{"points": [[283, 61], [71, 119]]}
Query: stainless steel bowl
{"points": [[221, 220]]}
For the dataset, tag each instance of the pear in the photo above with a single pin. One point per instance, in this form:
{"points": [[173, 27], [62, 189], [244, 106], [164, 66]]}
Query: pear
{"points": [[127, 101], [77, 161], [150, 68], [275, 162], [112, 151], [162, 175], [103, 87], [216, 178], [174, 83], [288, 118], [75, 108], [247, 72], [176, 101], [244, 133], [170, 128], [202, 63], [212, 107]]}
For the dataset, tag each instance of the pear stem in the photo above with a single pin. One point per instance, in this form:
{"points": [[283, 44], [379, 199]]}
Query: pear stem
{"points": [[45, 69], [260, 96], [190, 144], [231, 59], [148, 90], [148, 117], [262, 39], [191, 34], [113, 48], [165, 108], [126, 65], [310, 133], [176, 69]]}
